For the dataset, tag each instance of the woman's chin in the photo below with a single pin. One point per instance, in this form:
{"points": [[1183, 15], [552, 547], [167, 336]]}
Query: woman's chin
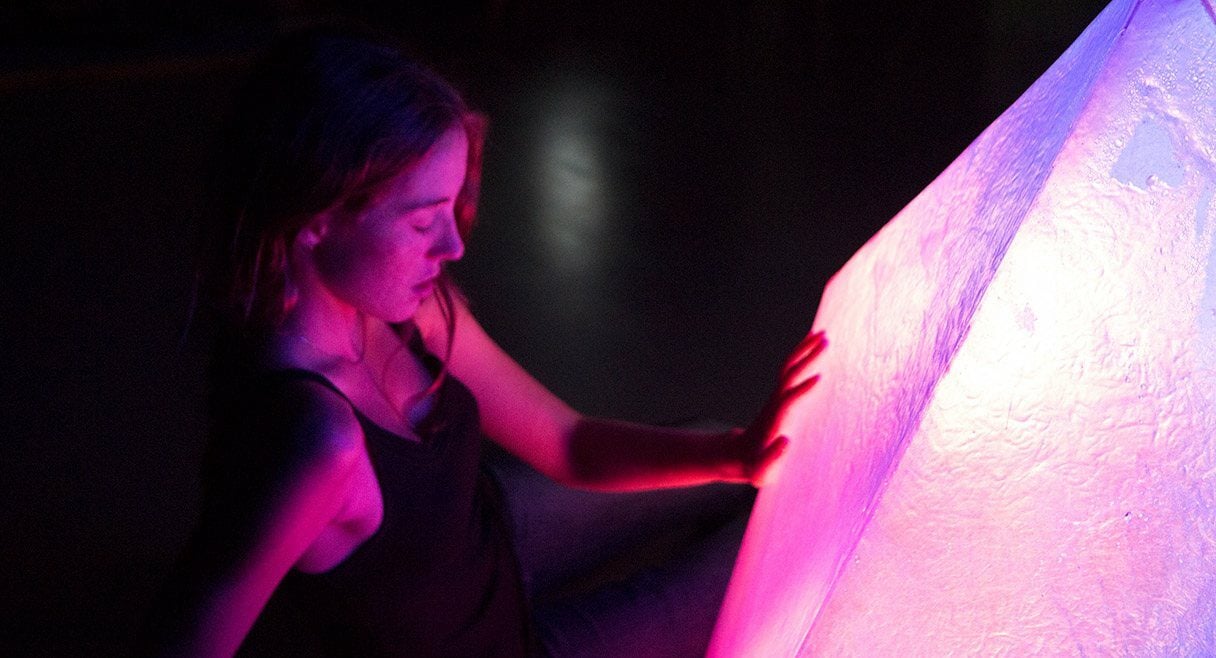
{"points": [[394, 314]]}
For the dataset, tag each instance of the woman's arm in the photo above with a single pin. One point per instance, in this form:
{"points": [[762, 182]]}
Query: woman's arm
{"points": [[526, 418], [636, 456], [257, 524], [613, 455]]}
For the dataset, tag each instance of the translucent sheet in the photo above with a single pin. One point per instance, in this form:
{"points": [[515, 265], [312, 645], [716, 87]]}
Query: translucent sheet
{"points": [[1013, 447]]}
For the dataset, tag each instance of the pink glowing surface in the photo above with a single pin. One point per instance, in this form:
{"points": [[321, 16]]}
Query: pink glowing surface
{"points": [[1013, 447]]}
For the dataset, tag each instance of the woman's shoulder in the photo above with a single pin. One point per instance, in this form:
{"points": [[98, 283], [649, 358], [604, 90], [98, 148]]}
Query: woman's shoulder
{"points": [[314, 417], [277, 474], [283, 418]]}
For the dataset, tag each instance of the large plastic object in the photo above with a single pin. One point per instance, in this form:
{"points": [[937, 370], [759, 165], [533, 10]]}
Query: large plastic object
{"points": [[1012, 450]]}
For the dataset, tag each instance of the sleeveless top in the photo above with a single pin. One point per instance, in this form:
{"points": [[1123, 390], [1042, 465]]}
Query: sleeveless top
{"points": [[439, 576]]}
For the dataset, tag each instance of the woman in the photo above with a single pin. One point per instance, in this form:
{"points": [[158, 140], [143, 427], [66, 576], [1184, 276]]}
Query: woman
{"points": [[345, 466]]}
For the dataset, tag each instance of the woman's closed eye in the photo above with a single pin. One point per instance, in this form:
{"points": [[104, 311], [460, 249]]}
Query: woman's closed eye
{"points": [[422, 216], [422, 219]]}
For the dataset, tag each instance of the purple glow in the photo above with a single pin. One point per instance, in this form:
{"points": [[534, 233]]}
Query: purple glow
{"points": [[1012, 448]]}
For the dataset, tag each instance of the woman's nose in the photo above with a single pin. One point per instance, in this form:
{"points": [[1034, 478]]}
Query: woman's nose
{"points": [[449, 245]]}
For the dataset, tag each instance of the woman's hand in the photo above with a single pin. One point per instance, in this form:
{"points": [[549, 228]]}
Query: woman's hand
{"points": [[761, 444]]}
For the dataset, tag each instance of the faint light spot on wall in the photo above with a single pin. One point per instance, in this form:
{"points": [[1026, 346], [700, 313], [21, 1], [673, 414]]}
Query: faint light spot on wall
{"points": [[573, 177]]}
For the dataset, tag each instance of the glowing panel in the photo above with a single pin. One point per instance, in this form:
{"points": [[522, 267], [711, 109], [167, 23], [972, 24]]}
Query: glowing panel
{"points": [[1012, 450]]}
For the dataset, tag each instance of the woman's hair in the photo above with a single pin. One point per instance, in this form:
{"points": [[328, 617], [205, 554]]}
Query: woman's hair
{"points": [[328, 117]]}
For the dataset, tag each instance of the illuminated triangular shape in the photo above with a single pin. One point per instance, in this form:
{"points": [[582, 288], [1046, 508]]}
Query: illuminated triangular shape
{"points": [[1013, 447]]}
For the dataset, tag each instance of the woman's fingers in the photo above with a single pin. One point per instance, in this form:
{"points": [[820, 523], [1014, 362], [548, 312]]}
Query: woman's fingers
{"points": [[806, 346], [768, 456], [791, 395], [803, 355], [813, 338], [798, 390], [794, 384], [806, 358]]}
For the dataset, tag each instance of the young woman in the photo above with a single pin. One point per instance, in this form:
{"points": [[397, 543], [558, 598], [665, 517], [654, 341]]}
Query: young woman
{"points": [[351, 385]]}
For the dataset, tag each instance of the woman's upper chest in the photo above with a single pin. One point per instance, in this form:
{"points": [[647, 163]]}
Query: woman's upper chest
{"points": [[392, 389]]}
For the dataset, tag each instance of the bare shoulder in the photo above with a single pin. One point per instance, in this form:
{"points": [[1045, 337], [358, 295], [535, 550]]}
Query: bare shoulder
{"points": [[312, 423], [285, 476]]}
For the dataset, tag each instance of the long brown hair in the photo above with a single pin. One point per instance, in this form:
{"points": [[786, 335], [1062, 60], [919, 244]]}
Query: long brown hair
{"points": [[329, 115]]}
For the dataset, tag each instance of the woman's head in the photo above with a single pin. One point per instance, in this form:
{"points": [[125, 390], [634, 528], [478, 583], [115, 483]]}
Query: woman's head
{"points": [[332, 124], [389, 258]]}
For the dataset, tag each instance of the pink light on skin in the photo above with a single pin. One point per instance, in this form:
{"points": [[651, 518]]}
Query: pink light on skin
{"points": [[1013, 447], [385, 263]]}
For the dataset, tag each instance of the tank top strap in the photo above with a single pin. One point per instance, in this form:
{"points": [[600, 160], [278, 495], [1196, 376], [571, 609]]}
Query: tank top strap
{"points": [[285, 375]]}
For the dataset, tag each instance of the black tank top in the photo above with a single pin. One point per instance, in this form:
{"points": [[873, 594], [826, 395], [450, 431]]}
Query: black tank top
{"points": [[439, 577]]}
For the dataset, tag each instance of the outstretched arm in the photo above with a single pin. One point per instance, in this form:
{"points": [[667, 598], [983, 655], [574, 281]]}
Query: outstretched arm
{"points": [[526, 418], [627, 456], [613, 455]]}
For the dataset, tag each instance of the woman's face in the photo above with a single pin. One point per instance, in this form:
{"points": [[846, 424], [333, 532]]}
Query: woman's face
{"points": [[384, 261]]}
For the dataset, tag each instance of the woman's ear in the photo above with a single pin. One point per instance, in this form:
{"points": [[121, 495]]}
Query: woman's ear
{"points": [[314, 230]]}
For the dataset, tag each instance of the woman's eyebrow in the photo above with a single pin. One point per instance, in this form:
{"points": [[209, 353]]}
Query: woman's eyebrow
{"points": [[415, 204]]}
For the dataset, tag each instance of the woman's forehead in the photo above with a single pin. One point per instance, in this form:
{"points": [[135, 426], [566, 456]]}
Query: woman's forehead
{"points": [[438, 175]]}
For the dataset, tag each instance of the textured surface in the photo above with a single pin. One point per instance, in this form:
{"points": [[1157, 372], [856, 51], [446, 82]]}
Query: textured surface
{"points": [[1011, 451]]}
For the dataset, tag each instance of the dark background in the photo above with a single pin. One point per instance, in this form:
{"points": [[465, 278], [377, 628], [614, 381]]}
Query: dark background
{"points": [[668, 187]]}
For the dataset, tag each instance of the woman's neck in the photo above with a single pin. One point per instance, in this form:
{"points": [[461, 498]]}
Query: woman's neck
{"points": [[328, 328], [328, 332]]}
